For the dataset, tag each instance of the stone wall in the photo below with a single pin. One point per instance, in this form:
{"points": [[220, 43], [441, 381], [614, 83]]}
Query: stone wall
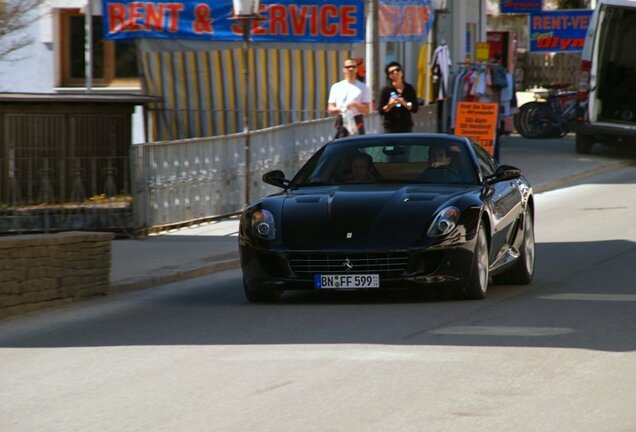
{"points": [[42, 270]]}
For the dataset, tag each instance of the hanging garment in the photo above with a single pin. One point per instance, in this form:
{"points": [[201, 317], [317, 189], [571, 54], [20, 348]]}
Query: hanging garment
{"points": [[441, 65]]}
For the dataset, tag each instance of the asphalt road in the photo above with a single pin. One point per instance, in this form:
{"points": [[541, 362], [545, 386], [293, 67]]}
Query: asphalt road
{"points": [[558, 355]]}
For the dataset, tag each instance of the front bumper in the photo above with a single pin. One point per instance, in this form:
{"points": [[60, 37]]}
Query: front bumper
{"points": [[419, 268]]}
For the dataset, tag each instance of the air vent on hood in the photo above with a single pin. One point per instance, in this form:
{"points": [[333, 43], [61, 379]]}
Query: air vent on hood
{"points": [[308, 199], [421, 196]]}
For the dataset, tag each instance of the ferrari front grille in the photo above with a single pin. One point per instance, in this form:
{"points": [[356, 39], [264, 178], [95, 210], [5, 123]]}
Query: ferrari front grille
{"points": [[385, 264]]}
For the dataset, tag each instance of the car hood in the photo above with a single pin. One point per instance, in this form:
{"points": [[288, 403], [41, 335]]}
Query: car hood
{"points": [[361, 216]]}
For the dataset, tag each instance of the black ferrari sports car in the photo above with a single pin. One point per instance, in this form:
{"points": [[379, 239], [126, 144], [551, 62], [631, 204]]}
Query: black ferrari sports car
{"points": [[375, 212]]}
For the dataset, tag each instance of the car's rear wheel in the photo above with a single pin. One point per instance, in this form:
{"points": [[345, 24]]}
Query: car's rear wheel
{"points": [[522, 271], [478, 284], [261, 295]]}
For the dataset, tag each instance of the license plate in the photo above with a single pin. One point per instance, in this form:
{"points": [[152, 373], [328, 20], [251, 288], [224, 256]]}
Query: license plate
{"points": [[347, 281]]}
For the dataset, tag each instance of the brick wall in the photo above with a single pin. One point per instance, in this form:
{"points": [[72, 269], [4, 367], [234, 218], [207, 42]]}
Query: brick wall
{"points": [[41, 270]]}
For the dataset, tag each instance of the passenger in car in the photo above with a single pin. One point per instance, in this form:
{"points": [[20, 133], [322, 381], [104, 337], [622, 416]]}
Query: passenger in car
{"points": [[362, 169]]}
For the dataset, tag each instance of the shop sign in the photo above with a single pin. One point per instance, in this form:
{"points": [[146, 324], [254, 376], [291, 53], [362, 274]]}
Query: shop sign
{"points": [[559, 31], [482, 52], [282, 20], [520, 6], [478, 121], [405, 20]]}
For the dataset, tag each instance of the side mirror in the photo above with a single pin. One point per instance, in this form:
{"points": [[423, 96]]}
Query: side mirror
{"points": [[504, 172], [276, 178]]}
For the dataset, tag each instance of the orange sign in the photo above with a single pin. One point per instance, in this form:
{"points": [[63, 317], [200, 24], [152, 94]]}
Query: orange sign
{"points": [[478, 121]]}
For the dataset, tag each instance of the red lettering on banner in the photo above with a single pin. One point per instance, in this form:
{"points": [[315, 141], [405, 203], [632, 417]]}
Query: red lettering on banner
{"points": [[559, 44], [347, 20], [116, 17], [278, 20], [313, 22], [154, 17], [576, 22], [257, 26], [203, 22], [325, 20], [581, 22], [523, 5], [139, 16], [388, 16], [173, 16], [410, 20], [298, 18], [425, 16], [327, 28], [135, 16]]}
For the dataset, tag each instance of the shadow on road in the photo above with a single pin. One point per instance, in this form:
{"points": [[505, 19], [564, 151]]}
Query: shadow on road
{"points": [[574, 308]]}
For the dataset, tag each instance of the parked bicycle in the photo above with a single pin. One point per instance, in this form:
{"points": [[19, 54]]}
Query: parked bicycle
{"points": [[551, 117]]}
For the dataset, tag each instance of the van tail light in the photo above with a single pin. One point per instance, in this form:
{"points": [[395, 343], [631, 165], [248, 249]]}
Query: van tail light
{"points": [[584, 80], [583, 91]]}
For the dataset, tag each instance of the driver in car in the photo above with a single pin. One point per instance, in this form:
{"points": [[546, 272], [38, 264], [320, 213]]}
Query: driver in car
{"points": [[439, 156], [439, 168]]}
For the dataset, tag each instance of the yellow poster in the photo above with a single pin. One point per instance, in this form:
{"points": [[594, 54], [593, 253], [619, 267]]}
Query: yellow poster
{"points": [[478, 121], [482, 53]]}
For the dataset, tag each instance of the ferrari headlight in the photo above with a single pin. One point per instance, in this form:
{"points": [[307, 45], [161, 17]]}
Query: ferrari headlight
{"points": [[444, 222], [263, 224]]}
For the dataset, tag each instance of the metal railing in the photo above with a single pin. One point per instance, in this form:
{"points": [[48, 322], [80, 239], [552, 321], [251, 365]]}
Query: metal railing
{"points": [[160, 185], [187, 181], [57, 194]]}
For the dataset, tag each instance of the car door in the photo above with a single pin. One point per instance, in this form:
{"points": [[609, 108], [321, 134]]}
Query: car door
{"points": [[504, 201]]}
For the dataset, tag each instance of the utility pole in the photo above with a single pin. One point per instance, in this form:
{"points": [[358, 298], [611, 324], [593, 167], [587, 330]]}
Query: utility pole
{"points": [[88, 46], [246, 11], [372, 49]]}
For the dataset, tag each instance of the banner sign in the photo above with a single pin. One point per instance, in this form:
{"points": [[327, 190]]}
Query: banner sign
{"points": [[559, 31], [283, 20], [478, 121], [405, 20], [520, 6]]}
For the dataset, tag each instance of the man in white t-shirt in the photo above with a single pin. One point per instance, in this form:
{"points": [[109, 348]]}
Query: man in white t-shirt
{"points": [[348, 100]]}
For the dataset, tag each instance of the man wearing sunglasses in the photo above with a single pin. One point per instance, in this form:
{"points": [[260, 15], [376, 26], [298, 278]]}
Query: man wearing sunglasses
{"points": [[348, 100]]}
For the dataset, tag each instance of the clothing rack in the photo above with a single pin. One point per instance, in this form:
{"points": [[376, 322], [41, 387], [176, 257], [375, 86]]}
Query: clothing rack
{"points": [[473, 64]]}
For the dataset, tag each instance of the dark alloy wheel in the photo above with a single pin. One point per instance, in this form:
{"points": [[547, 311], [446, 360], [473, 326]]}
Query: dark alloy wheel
{"points": [[478, 284]]}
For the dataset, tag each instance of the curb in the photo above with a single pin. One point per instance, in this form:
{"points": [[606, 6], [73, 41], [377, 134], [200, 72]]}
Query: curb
{"points": [[221, 263], [565, 181]]}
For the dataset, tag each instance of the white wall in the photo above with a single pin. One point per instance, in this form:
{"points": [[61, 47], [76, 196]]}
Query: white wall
{"points": [[31, 69]]}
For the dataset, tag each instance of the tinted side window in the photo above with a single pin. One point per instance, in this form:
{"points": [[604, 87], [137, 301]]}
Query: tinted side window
{"points": [[486, 162]]}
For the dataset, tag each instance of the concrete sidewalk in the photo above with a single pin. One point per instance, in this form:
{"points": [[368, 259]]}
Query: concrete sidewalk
{"points": [[211, 247]]}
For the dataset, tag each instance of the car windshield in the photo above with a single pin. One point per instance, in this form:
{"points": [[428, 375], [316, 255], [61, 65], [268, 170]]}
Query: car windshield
{"points": [[404, 160]]}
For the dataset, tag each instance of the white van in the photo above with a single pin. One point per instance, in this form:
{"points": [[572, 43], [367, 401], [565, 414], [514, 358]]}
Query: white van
{"points": [[606, 110]]}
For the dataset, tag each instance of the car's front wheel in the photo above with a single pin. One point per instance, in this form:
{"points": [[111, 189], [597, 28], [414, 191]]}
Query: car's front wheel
{"points": [[522, 271], [261, 295], [478, 284]]}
